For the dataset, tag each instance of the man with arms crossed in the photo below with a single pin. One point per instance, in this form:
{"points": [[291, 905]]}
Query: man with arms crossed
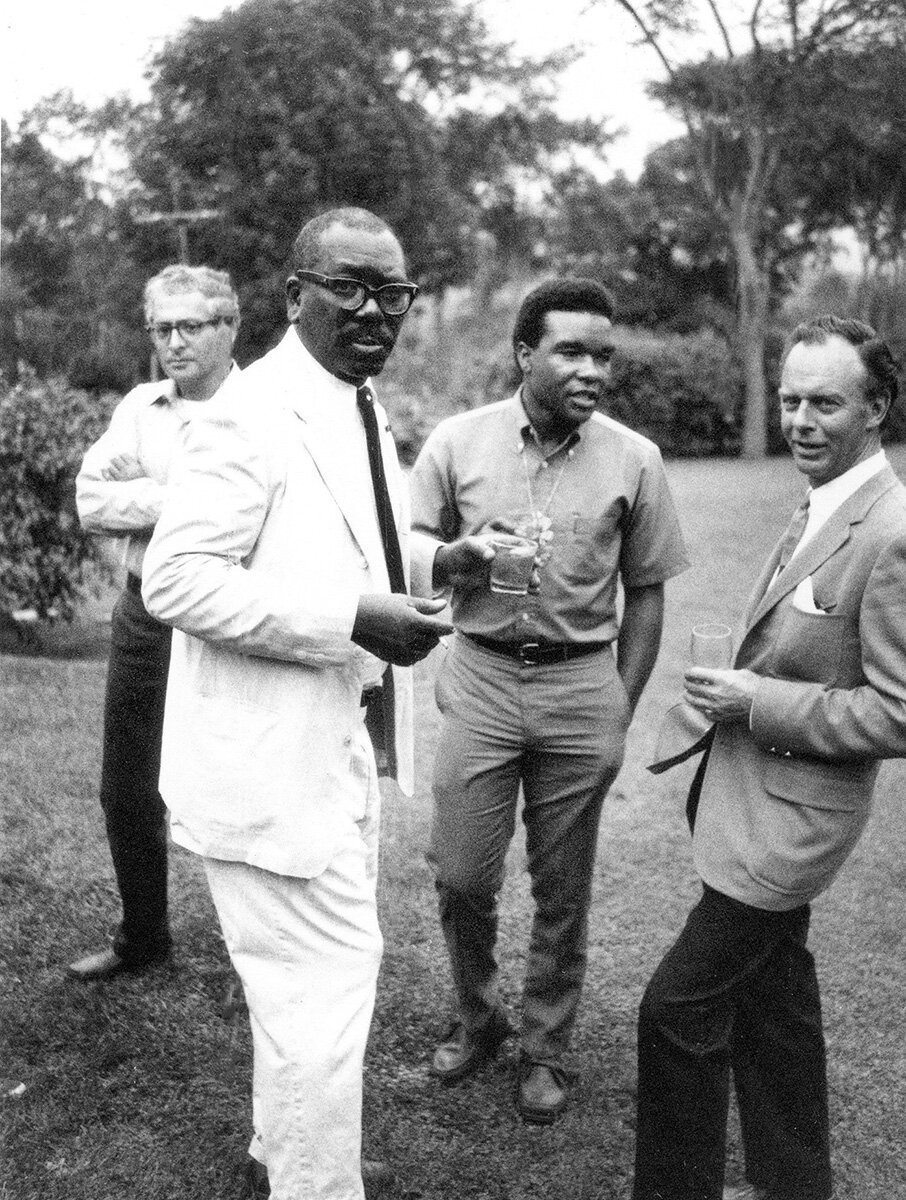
{"points": [[192, 315], [280, 559], [531, 692], [817, 697]]}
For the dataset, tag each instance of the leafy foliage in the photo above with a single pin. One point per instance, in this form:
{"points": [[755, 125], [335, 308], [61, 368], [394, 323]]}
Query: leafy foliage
{"points": [[281, 108], [760, 115], [71, 291], [45, 428]]}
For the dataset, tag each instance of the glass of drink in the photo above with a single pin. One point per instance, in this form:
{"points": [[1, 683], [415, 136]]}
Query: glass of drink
{"points": [[712, 645], [511, 567]]}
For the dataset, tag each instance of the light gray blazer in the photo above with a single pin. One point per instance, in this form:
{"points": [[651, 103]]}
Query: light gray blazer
{"points": [[784, 800]]}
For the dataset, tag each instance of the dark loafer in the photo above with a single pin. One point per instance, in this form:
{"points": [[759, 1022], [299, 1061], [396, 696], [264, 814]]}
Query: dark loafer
{"points": [[377, 1178], [462, 1052], [257, 1184], [540, 1091], [105, 964]]}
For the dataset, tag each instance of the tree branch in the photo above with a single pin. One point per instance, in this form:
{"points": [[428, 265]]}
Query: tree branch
{"points": [[648, 36], [725, 37]]}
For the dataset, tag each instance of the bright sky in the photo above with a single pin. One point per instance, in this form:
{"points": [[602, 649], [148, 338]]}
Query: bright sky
{"points": [[100, 47]]}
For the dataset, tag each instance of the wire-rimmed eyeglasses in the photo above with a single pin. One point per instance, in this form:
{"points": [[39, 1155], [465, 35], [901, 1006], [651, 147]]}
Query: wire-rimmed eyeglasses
{"points": [[393, 299]]}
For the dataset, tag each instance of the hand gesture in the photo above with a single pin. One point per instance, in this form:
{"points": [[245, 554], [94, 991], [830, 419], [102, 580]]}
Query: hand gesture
{"points": [[464, 564], [398, 629], [121, 468], [721, 695]]}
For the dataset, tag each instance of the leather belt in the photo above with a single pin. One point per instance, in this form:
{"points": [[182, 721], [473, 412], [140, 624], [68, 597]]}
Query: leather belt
{"points": [[536, 654], [134, 584]]}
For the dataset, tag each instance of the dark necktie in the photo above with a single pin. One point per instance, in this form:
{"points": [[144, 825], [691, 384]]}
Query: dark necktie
{"points": [[389, 538], [793, 535], [379, 702]]}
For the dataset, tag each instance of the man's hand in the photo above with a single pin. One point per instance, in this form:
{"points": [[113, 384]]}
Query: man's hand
{"points": [[121, 468], [721, 695], [397, 628], [463, 564]]}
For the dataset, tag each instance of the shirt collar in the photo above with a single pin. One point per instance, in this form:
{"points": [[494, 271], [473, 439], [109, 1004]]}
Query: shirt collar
{"points": [[526, 431], [168, 393], [829, 496], [326, 390]]}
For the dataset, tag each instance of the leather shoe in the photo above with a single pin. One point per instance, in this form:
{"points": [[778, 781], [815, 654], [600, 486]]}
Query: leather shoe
{"points": [[257, 1184], [540, 1091], [376, 1178], [462, 1052], [107, 964]]}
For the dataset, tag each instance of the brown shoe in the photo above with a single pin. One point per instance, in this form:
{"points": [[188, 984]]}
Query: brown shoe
{"points": [[540, 1091], [462, 1052]]}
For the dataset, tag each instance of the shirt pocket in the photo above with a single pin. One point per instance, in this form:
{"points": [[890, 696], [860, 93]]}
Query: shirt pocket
{"points": [[585, 545]]}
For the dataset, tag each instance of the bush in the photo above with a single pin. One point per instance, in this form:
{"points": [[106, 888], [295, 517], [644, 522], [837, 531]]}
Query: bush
{"points": [[45, 428], [684, 392]]}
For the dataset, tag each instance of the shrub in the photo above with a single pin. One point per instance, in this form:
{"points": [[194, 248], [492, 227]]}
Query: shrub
{"points": [[684, 392], [45, 428]]}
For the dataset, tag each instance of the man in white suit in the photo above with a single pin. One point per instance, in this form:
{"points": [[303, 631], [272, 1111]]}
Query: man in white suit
{"points": [[280, 558], [817, 698]]}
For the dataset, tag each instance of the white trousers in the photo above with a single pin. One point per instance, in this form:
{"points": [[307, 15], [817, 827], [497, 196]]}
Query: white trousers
{"points": [[307, 952]]}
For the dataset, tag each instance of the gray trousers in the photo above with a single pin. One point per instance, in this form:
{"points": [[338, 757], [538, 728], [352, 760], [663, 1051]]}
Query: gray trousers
{"points": [[559, 731]]}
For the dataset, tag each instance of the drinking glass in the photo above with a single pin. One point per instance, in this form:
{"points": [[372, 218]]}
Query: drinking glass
{"points": [[712, 645], [511, 567]]}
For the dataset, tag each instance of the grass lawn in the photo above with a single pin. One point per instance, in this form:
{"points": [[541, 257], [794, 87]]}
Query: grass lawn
{"points": [[140, 1088]]}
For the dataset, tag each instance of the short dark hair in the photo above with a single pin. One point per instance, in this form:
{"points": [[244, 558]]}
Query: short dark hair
{"points": [[877, 358], [307, 245], [559, 295]]}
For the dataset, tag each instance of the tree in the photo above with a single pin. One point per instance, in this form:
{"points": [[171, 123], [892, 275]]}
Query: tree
{"points": [[653, 242], [280, 108], [753, 115], [70, 298]]}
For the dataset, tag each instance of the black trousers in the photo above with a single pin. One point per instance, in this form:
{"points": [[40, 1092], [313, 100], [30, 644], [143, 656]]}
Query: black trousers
{"points": [[133, 809], [737, 991]]}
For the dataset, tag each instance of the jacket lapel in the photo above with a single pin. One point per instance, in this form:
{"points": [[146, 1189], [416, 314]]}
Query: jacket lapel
{"points": [[834, 534]]}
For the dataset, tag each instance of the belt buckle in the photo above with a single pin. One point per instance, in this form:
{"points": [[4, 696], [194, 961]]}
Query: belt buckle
{"points": [[530, 654]]}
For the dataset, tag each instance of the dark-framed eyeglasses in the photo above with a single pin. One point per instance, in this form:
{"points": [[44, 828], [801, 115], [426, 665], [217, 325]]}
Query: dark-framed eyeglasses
{"points": [[393, 299], [162, 331]]}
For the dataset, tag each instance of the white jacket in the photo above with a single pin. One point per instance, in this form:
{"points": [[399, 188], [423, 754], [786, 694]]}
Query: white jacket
{"points": [[265, 543]]}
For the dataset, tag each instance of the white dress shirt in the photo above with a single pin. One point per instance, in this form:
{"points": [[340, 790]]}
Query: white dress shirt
{"points": [[147, 424]]}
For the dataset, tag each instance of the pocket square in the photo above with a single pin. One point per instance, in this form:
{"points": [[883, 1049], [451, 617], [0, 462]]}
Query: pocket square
{"points": [[804, 600]]}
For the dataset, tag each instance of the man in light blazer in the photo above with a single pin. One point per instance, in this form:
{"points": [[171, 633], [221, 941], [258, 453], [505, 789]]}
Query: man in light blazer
{"points": [[279, 558], [797, 729]]}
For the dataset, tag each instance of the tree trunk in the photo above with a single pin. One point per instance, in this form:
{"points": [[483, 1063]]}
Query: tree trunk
{"points": [[751, 323]]}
